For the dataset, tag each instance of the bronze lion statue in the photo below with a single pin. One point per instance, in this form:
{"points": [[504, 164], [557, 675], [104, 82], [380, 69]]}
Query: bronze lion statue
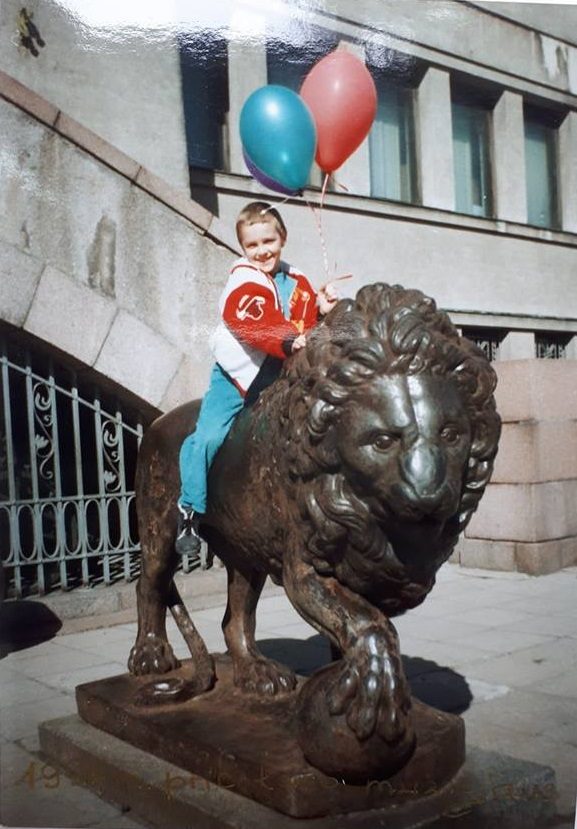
{"points": [[348, 481]]}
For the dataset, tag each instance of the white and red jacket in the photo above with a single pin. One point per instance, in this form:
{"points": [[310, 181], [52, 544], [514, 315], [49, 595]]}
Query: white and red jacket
{"points": [[252, 323]]}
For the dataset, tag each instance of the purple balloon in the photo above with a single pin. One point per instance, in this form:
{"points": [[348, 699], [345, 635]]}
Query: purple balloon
{"points": [[268, 182]]}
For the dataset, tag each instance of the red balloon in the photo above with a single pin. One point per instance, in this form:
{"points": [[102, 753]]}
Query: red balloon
{"points": [[342, 97]]}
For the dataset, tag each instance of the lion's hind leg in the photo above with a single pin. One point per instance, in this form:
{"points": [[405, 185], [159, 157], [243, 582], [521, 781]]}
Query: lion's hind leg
{"points": [[156, 488], [252, 671], [204, 672], [152, 652]]}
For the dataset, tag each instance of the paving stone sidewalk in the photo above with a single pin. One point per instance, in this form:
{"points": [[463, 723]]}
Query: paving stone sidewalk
{"points": [[500, 648]]}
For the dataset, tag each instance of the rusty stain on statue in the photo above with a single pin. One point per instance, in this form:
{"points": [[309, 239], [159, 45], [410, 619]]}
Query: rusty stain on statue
{"points": [[349, 482]]}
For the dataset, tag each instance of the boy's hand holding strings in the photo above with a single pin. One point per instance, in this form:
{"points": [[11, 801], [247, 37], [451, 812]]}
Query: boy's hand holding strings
{"points": [[328, 296]]}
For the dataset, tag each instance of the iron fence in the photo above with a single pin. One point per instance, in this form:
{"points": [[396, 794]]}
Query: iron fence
{"points": [[551, 345], [67, 459], [486, 339]]}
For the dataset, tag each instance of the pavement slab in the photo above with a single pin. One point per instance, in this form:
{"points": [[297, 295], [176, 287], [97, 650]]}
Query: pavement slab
{"points": [[528, 666]]}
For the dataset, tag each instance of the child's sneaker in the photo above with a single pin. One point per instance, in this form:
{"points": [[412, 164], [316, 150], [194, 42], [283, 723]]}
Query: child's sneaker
{"points": [[187, 537]]}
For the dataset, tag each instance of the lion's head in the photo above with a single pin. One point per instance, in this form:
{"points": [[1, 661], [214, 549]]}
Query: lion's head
{"points": [[391, 430]]}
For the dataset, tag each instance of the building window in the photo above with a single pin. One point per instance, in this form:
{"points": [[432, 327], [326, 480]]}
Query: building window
{"points": [[471, 158], [551, 345], [288, 64], [487, 339], [392, 141], [541, 167], [204, 79]]}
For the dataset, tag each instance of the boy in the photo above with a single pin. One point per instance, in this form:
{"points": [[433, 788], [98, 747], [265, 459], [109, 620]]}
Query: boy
{"points": [[266, 308]]}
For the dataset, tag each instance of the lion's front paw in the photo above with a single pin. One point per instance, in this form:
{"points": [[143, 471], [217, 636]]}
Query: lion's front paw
{"points": [[265, 677], [370, 688], [152, 655]]}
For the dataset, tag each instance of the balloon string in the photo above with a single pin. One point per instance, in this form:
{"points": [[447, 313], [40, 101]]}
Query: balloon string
{"points": [[286, 198], [317, 214], [324, 190], [319, 224]]}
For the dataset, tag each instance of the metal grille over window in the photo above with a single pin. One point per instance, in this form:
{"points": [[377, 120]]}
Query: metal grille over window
{"points": [[67, 461], [551, 346], [486, 339]]}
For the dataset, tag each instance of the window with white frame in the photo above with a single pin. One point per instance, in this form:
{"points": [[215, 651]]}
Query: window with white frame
{"points": [[471, 156], [541, 166]]}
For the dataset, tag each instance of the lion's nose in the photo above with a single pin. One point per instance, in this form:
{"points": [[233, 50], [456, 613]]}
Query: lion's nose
{"points": [[424, 468]]}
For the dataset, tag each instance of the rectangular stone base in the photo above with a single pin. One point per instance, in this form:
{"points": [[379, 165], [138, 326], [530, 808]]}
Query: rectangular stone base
{"points": [[249, 744], [491, 790]]}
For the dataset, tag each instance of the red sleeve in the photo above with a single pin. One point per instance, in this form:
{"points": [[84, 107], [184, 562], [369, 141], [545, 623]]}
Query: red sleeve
{"points": [[252, 316], [311, 312]]}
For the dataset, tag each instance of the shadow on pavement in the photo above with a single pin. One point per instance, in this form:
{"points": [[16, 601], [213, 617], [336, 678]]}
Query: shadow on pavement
{"points": [[24, 624], [435, 685]]}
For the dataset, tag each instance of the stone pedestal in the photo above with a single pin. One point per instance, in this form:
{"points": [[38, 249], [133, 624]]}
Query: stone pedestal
{"points": [[223, 761], [249, 745], [490, 790]]}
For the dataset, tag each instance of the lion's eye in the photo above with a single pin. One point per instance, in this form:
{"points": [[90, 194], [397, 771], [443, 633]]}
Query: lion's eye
{"points": [[450, 434], [383, 443]]}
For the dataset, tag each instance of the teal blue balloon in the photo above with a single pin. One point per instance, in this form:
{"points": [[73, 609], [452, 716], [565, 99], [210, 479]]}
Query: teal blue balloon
{"points": [[278, 134]]}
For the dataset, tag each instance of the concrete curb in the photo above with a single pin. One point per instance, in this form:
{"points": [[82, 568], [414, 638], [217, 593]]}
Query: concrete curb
{"points": [[87, 608]]}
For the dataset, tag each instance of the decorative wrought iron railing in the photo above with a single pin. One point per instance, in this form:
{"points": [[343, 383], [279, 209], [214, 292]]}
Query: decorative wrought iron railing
{"points": [[486, 339], [551, 345], [67, 460]]}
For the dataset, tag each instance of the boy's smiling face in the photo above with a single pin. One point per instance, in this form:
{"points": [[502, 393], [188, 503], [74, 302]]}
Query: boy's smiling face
{"points": [[262, 244]]}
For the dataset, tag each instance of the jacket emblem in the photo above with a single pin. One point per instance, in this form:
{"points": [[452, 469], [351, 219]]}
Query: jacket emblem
{"points": [[250, 307]]}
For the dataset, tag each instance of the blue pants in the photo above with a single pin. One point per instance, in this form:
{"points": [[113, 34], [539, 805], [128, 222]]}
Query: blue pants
{"points": [[220, 405]]}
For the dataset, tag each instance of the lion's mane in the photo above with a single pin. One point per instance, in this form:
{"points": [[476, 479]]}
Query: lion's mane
{"points": [[386, 330]]}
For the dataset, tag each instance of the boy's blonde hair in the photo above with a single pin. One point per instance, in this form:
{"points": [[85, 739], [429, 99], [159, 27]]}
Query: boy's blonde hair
{"points": [[259, 211]]}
